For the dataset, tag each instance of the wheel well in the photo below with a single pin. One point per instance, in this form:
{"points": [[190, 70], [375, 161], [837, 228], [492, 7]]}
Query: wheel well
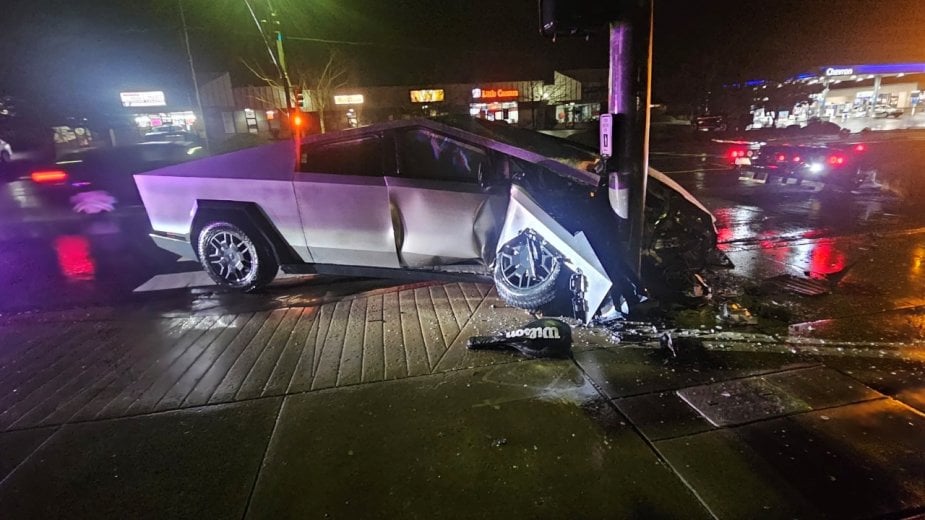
{"points": [[247, 214]]}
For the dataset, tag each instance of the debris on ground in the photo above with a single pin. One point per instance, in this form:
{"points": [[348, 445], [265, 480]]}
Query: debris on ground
{"points": [[665, 342], [547, 337], [735, 314]]}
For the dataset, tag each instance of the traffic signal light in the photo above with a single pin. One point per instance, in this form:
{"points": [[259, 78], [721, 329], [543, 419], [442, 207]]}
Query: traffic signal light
{"points": [[297, 120], [581, 18], [300, 100]]}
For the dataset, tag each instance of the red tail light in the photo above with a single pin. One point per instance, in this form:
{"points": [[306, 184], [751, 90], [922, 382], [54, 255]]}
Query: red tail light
{"points": [[781, 157], [859, 148], [796, 158], [836, 160], [49, 177]]}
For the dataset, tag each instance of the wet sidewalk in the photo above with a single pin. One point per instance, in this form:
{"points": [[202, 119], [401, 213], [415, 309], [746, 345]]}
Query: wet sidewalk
{"points": [[368, 405]]}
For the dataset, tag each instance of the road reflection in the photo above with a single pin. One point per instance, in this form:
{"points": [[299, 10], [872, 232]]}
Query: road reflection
{"points": [[74, 257]]}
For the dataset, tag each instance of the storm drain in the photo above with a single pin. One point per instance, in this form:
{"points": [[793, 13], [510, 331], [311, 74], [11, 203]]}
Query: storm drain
{"points": [[800, 285]]}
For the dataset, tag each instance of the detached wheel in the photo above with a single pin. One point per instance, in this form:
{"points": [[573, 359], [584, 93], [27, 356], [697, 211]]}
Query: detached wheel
{"points": [[526, 271], [236, 258]]}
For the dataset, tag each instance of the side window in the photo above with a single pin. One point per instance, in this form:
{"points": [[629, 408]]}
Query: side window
{"points": [[355, 157], [427, 155]]}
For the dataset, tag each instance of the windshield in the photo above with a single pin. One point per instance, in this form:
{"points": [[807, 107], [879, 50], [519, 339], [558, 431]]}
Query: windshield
{"points": [[563, 151]]}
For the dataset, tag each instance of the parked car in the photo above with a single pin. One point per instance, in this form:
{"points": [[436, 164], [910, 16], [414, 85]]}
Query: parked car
{"points": [[887, 111], [710, 123], [455, 197], [97, 179]]}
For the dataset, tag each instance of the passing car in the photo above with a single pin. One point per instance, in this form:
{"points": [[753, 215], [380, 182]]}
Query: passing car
{"points": [[833, 164], [171, 134], [98, 179], [441, 199]]}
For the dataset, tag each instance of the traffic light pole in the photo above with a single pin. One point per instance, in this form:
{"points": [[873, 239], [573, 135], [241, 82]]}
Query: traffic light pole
{"points": [[284, 72], [192, 68], [287, 83], [630, 99]]}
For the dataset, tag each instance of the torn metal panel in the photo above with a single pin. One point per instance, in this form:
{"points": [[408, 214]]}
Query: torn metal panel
{"points": [[524, 213]]}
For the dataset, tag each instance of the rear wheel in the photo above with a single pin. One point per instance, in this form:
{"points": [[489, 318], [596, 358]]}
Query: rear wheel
{"points": [[526, 270], [236, 257]]}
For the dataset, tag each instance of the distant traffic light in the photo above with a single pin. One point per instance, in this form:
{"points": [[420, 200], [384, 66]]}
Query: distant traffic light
{"points": [[300, 100], [297, 120]]}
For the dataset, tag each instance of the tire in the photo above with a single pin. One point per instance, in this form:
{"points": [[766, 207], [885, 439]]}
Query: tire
{"points": [[5, 158], [236, 257], [514, 284]]}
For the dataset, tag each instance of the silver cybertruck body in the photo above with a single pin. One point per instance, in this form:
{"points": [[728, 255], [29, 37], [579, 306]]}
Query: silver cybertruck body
{"points": [[453, 198]]}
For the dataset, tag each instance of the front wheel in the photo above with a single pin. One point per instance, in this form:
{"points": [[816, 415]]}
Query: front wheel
{"points": [[526, 270], [236, 258]]}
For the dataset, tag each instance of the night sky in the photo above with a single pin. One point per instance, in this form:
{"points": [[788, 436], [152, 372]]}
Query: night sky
{"points": [[76, 55]]}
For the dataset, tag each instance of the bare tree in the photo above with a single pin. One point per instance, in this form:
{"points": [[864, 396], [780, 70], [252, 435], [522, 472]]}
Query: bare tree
{"points": [[321, 83]]}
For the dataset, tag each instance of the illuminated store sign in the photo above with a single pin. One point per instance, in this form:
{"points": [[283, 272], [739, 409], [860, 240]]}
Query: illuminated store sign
{"points": [[494, 93], [349, 99], [427, 95], [143, 99], [832, 71]]}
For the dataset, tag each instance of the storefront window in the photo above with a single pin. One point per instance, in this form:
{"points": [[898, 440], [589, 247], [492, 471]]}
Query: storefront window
{"points": [[181, 121], [501, 111]]}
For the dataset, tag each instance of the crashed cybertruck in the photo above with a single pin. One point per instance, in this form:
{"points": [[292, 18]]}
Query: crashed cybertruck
{"points": [[439, 199]]}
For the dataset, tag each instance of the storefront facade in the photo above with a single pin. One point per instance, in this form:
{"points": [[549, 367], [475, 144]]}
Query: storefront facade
{"points": [[232, 110], [150, 112]]}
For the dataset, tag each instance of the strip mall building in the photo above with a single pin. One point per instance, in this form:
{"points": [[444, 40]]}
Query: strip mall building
{"points": [[571, 97]]}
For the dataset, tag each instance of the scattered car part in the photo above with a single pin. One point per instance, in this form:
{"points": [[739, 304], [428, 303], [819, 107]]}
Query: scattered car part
{"points": [[544, 338], [526, 271]]}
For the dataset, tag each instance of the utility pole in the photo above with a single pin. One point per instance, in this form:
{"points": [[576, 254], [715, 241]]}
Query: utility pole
{"points": [[629, 102], [278, 59], [192, 69], [624, 137], [284, 72]]}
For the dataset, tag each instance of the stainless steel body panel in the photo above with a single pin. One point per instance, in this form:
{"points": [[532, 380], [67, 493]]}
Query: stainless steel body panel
{"points": [[441, 222], [524, 213], [346, 219], [176, 245], [171, 203]]}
